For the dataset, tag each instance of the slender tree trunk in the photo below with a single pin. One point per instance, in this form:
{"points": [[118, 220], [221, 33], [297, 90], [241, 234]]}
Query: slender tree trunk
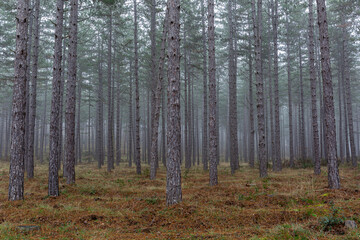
{"points": [[100, 111], [33, 92], [137, 97], [43, 128], [205, 95], [302, 117], [17, 151], [110, 139], [348, 101], [330, 129], [251, 108], [71, 96], [315, 128], [173, 175], [130, 151], [257, 19], [212, 96], [234, 151], [290, 106], [78, 147], [55, 120], [28, 67], [157, 99]]}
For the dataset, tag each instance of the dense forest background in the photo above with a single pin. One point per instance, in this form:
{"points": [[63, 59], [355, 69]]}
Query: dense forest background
{"points": [[107, 81]]}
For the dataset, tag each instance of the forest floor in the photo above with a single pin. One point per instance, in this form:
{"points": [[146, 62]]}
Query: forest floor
{"points": [[293, 204]]}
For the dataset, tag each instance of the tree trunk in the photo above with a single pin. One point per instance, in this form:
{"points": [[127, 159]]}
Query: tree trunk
{"points": [[257, 19], [212, 96], [110, 139], [33, 92], [71, 96], [348, 101], [55, 120], [137, 97], [251, 108], [315, 128], [288, 70], [234, 151], [205, 95], [277, 142], [100, 111], [173, 175], [157, 98], [329, 112], [17, 151]]}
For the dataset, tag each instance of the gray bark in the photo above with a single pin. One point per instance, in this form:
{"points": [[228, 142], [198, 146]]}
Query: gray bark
{"points": [[54, 141], [329, 111], [69, 162], [213, 141], [173, 175], [17, 149]]}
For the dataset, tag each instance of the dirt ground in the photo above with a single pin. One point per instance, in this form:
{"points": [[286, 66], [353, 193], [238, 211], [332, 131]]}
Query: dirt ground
{"points": [[293, 204]]}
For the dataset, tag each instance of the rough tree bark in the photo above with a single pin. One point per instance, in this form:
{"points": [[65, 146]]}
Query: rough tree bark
{"points": [[33, 92], [71, 96], [17, 149], [212, 96], [54, 142], [205, 95], [257, 19], [110, 138], [315, 128], [329, 111], [173, 175], [157, 102], [234, 151], [137, 97]]}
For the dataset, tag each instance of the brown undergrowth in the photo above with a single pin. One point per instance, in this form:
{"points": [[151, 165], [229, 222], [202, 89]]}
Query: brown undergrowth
{"points": [[123, 205]]}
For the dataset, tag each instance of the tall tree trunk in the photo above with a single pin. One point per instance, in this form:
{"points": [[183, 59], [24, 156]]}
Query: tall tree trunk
{"points": [[54, 141], [212, 96], [17, 150], [186, 108], [329, 111], [137, 97], [251, 108], [277, 142], [157, 99], [33, 92], [71, 96], [130, 146], [173, 175], [257, 19], [290, 106], [234, 151], [110, 139], [205, 95], [78, 148], [348, 101], [28, 67], [315, 128], [302, 117], [43, 128], [100, 111]]}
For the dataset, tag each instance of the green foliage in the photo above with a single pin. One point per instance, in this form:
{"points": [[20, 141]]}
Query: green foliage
{"points": [[334, 218], [152, 200]]}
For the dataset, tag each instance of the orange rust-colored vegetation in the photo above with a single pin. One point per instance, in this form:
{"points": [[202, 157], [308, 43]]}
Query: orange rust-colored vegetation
{"points": [[123, 205]]}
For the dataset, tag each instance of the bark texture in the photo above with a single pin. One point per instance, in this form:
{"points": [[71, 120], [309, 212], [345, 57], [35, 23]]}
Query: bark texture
{"points": [[329, 111], [71, 96], [17, 147], [213, 142], [54, 142], [173, 175], [314, 117]]}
